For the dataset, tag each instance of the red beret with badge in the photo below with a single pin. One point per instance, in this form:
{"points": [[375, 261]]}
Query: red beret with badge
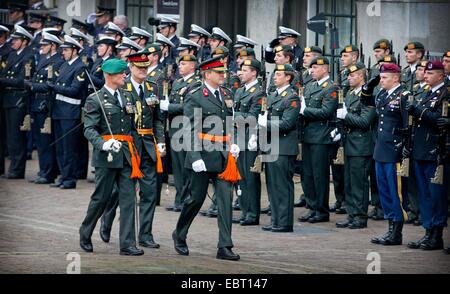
{"points": [[390, 68]]}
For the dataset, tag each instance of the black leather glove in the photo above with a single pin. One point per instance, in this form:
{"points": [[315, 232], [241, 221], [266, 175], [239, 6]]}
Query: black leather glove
{"points": [[406, 152], [274, 43], [443, 122], [369, 87]]}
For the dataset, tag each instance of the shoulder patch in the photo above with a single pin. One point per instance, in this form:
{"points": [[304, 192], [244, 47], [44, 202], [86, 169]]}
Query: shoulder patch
{"points": [[294, 104], [333, 95]]}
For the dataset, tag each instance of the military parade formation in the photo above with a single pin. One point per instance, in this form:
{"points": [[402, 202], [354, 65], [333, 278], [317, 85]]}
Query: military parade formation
{"points": [[204, 109]]}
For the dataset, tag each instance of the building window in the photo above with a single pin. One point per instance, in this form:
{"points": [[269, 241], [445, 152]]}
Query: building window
{"points": [[138, 12]]}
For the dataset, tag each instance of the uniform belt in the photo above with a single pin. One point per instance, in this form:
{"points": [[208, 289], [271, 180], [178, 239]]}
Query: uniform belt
{"points": [[231, 172], [135, 159], [159, 165], [214, 138], [68, 99]]}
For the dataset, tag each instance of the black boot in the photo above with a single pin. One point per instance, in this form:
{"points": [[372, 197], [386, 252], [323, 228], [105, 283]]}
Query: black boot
{"points": [[435, 242], [416, 244], [396, 237], [377, 240]]}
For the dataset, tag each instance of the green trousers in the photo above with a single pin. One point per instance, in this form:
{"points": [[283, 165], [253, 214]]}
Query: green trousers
{"points": [[250, 185], [357, 171]]}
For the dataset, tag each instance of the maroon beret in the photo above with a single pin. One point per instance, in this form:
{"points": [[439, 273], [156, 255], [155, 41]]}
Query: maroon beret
{"points": [[390, 68], [434, 65]]}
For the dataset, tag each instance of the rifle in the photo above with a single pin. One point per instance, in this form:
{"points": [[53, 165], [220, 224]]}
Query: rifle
{"points": [[47, 128], [441, 148], [398, 60], [263, 69], [369, 67], [258, 163], [362, 57], [392, 48], [408, 133], [26, 124], [339, 124]]}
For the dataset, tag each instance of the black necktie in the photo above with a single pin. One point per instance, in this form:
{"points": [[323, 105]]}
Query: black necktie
{"points": [[141, 93], [216, 93], [116, 95]]}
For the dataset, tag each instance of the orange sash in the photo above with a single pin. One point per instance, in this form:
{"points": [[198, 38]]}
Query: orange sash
{"points": [[159, 165], [135, 159]]}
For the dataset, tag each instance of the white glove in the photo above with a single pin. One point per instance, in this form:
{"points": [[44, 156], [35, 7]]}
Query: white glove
{"points": [[335, 135], [199, 166], [342, 112], [262, 119], [252, 142], [112, 145], [164, 105], [302, 106], [234, 150], [162, 149]]}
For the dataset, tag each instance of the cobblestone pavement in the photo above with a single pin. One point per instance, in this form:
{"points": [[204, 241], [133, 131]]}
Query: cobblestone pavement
{"points": [[39, 227]]}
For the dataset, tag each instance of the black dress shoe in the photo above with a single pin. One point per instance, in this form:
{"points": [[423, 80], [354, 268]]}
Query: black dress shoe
{"points": [[227, 254], [43, 181], [341, 210], [212, 213], [267, 228], [67, 187], [132, 251], [203, 212], [180, 245], [86, 245], [236, 206], [14, 176], [149, 244], [56, 185], [335, 206], [236, 220], [416, 244], [307, 216], [343, 223], [285, 229], [300, 203], [319, 219], [265, 210], [170, 208], [357, 224], [377, 240], [249, 222], [105, 234]]}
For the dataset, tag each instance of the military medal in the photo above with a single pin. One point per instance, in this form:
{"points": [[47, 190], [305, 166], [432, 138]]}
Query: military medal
{"points": [[129, 108]]}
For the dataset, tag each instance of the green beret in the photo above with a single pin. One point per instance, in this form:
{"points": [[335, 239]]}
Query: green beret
{"points": [[355, 67], [414, 45], [349, 48], [388, 59], [188, 57], [285, 48], [313, 49], [246, 52], [153, 48], [220, 50], [319, 61], [256, 64], [382, 44], [285, 67], [114, 66]]}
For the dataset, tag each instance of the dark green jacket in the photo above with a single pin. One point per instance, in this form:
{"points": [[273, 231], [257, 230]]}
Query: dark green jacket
{"points": [[321, 104], [283, 114], [95, 126], [295, 83], [150, 117], [408, 78], [359, 123], [201, 99]]}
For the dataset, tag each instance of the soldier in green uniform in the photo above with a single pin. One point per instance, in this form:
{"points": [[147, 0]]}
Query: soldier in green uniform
{"points": [[381, 48], [115, 163], [318, 110], [349, 56], [414, 52], [174, 108], [358, 117], [309, 54], [207, 158], [247, 105], [284, 55], [280, 120]]}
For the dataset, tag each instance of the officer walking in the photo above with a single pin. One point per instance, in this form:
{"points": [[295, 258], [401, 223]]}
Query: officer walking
{"points": [[115, 159], [69, 88], [18, 67], [209, 101]]}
